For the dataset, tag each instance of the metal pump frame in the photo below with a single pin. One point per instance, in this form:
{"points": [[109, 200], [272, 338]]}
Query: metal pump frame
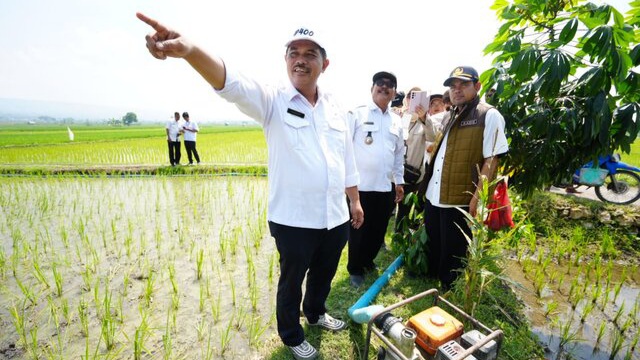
{"points": [[492, 334]]}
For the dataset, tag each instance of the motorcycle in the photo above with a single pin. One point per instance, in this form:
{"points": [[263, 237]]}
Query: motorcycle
{"points": [[613, 180]]}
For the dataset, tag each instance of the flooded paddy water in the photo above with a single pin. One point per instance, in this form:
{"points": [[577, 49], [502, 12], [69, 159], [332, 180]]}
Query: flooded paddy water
{"points": [[588, 311], [123, 268]]}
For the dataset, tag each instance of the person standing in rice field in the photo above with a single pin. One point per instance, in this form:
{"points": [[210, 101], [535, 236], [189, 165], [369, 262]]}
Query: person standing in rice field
{"points": [[311, 166]]}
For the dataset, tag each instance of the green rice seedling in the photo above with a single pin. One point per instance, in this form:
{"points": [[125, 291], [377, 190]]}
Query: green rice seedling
{"points": [[607, 246], [128, 240], [567, 334], [108, 326], [53, 313], [215, 308], [232, 284], [633, 344], [633, 314], [573, 287], [626, 325], [18, 318], [241, 318], [619, 313], [616, 291], [550, 308], [208, 352], [586, 310], [172, 278], [64, 306], [601, 330], [578, 256], [256, 329], [617, 340], [83, 314], [203, 295], [57, 278], [200, 328], [552, 276], [26, 291], [253, 296], [560, 282], [149, 288], [605, 298], [595, 292], [609, 273], [141, 335], [37, 273], [272, 261], [64, 236], [167, 341], [222, 248], [3, 263], [539, 283], [158, 238], [225, 337], [199, 262], [175, 301], [33, 343]]}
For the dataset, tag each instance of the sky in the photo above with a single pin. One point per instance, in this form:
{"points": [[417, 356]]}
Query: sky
{"points": [[93, 52]]}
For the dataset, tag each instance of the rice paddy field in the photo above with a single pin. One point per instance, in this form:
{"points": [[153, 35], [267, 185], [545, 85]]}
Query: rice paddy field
{"points": [[181, 265], [47, 145]]}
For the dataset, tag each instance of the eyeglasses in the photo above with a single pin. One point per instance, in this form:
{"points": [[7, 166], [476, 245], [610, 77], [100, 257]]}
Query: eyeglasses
{"points": [[383, 82]]}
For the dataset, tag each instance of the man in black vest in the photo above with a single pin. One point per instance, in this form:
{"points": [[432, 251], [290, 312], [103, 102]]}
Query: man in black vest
{"points": [[471, 140]]}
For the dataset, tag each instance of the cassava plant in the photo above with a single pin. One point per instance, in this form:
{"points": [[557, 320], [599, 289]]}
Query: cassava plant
{"points": [[566, 79]]}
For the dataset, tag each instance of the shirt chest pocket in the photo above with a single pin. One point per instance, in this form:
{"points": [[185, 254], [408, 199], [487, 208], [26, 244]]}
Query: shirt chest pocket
{"points": [[296, 129]]}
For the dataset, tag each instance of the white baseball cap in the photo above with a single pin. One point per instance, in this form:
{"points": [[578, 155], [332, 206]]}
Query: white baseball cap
{"points": [[304, 33]]}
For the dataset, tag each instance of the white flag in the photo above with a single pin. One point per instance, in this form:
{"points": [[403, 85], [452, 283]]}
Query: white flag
{"points": [[70, 134]]}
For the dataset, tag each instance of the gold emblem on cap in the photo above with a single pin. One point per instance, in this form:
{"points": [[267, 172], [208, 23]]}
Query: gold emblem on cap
{"points": [[458, 71]]}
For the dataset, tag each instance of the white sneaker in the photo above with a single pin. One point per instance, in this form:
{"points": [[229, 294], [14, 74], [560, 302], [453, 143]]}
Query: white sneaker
{"points": [[304, 351], [327, 322]]}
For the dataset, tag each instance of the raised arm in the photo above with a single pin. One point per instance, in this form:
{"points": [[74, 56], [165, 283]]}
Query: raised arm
{"points": [[164, 42]]}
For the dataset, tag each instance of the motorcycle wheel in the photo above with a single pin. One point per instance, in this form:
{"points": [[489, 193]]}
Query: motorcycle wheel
{"points": [[621, 188]]}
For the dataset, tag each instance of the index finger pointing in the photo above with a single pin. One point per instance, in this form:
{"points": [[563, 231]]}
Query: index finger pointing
{"points": [[151, 22]]}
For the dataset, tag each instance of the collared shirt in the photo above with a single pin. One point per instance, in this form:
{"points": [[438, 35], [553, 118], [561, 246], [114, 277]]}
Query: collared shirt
{"points": [[381, 162], [174, 127], [310, 152], [494, 142], [190, 135]]}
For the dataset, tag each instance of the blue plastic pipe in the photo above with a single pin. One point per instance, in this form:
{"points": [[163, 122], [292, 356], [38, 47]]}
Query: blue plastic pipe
{"points": [[361, 312]]}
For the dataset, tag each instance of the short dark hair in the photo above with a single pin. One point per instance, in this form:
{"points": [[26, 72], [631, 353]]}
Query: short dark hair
{"points": [[176, 113], [185, 114]]}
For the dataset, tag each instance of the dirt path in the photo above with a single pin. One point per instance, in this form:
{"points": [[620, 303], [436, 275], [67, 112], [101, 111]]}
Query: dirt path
{"points": [[584, 192]]}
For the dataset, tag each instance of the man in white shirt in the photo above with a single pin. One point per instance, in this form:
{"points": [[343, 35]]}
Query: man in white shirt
{"points": [[174, 129], [379, 148], [311, 166], [190, 129], [472, 140]]}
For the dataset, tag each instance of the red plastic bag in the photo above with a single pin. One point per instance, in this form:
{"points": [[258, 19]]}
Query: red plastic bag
{"points": [[500, 214]]}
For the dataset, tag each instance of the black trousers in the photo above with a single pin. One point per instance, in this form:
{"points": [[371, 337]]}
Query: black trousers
{"points": [[191, 151], [364, 243], [174, 152], [447, 245], [311, 252]]}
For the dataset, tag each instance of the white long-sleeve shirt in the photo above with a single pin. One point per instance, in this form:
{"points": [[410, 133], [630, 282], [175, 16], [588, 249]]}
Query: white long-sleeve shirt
{"points": [[174, 129], [190, 135], [311, 158], [381, 162]]}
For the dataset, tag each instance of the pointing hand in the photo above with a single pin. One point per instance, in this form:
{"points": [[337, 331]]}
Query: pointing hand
{"points": [[165, 42]]}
